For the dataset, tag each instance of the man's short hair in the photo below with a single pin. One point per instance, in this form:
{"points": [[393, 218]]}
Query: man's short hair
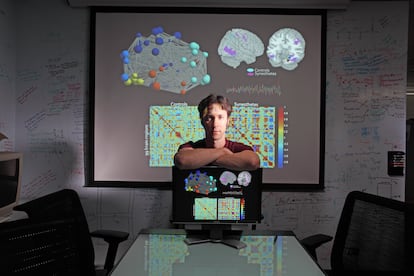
{"points": [[214, 99]]}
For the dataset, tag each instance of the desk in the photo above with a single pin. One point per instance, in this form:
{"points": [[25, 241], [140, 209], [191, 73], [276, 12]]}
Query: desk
{"points": [[164, 252]]}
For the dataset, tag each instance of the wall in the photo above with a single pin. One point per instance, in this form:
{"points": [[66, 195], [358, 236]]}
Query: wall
{"points": [[365, 111], [7, 74]]}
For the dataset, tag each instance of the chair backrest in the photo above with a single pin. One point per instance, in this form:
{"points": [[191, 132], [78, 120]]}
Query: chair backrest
{"points": [[373, 235], [53, 247], [63, 204]]}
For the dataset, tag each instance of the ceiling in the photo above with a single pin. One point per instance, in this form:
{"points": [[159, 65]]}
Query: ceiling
{"points": [[323, 4]]}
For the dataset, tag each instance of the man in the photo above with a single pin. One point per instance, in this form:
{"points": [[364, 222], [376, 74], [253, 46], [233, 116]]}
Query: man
{"points": [[215, 149]]}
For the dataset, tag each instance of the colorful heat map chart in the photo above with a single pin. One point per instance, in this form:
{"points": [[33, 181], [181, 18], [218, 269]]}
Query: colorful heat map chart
{"points": [[228, 208], [171, 126]]}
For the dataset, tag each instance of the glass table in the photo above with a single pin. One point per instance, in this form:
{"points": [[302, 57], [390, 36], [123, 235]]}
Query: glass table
{"points": [[164, 252]]}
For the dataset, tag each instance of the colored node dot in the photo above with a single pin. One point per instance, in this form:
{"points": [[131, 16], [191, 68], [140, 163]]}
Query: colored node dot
{"points": [[177, 134], [159, 41], [182, 92], [124, 53], [138, 35], [193, 79], [183, 59], [194, 52], [135, 82], [138, 49], [177, 35], [152, 73], [140, 81], [134, 75], [194, 45], [155, 51], [124, 77], [126, 60], [206, 79], [156, 85], [147, 42], [128, 82], [205, 54], [157, 30], [161, 68], [183, 83], [193, 64]]}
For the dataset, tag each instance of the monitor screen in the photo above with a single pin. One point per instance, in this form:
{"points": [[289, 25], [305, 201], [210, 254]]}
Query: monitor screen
{"points": [[150, 67], [213, 194]]}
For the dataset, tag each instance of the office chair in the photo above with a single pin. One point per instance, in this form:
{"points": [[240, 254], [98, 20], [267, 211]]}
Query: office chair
{"points": [[373, 237], [37, 247], [65, 204]]}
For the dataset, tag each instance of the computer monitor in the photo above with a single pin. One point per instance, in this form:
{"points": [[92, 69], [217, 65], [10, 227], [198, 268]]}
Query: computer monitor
{"points": [[10, 182], [217, 201]]}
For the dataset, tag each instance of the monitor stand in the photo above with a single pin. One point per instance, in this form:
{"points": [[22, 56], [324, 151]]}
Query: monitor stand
{"points": [[216, 234]]}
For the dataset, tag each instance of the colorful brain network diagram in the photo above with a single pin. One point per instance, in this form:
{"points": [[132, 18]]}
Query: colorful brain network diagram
{"points": [[165, 62], [202, 183], [171, 126], [227, 208], [286, 48]]}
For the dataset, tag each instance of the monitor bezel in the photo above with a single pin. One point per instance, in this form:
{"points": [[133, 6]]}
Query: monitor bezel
{"points": [[199, 224]]}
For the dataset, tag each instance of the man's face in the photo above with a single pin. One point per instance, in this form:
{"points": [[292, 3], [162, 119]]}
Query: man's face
{"points": [[215, 122]]}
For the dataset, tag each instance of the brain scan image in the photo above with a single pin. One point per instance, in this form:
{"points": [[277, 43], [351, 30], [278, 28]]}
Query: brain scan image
{"points": [[239, 45], [286, 49], [244, 178], [227, 178]]}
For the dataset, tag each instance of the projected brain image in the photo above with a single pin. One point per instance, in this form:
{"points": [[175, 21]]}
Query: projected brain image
{"points": [[286, 48], [239, 45], [165, 62]]}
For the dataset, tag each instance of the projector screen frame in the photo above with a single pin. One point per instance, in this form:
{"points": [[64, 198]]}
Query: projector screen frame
{"points": [[90, 162]]}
